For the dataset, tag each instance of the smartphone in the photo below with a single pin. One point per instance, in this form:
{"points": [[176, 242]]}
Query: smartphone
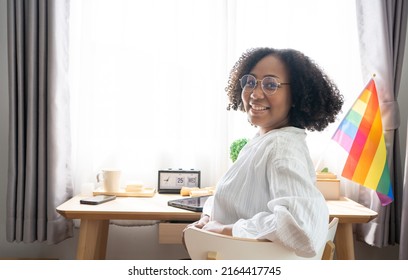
{"points": [[98, 199]]}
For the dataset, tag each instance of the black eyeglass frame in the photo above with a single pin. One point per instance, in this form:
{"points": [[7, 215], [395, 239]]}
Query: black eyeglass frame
{"points": [[245, 87]]}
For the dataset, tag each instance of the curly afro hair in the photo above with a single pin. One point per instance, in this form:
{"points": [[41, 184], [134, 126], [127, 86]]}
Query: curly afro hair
{"points": [[315, 97]]}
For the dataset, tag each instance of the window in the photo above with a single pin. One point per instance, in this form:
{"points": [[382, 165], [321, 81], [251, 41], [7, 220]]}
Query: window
{"points": [[148, 78]]}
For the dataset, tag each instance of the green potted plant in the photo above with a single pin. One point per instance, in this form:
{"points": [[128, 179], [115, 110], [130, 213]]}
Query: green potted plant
{"points": [[236, 147]]}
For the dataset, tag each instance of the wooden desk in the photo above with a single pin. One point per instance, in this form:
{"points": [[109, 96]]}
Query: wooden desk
{"points": [[349, 212], [94, 228], [93, 233]]}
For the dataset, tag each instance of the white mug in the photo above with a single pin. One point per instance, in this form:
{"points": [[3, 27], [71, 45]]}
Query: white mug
{"points": [[110, 179]]}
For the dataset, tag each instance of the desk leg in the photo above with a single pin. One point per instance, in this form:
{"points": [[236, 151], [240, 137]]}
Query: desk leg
{"points": [[344, 242], [93, 238]]}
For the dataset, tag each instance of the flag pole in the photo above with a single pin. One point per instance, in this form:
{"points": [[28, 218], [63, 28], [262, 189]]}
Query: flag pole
{"points": [[321, 155]]}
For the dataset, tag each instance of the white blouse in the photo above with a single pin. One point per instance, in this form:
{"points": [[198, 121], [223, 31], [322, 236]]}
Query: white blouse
{"points": [[270, 193]]}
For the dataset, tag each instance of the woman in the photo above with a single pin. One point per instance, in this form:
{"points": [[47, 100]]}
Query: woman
{"points": [[269, 192]]}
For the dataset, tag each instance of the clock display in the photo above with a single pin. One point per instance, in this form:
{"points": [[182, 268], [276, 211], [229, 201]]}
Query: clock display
{"points": [[171, 181]]}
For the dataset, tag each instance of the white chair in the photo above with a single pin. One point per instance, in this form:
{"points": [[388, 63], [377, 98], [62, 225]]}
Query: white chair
{"points": [[205, 245]]}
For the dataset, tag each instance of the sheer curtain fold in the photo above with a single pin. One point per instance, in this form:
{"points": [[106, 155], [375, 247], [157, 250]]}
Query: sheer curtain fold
{"points": [[382, 30], [39, 130]]}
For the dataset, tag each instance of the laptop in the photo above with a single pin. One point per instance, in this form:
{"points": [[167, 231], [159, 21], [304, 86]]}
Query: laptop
{"points": [[190, 203]]}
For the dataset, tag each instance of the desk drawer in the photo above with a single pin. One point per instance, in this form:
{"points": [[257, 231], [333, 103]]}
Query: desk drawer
{"points": [[171, 233]]}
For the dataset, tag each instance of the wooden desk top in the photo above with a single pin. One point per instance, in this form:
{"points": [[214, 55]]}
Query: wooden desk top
{"points": [[156, 208], [349, 211], [128, 208]]}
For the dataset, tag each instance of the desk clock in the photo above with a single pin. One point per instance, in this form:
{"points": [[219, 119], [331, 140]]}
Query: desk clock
{"points": [[171, 181]]}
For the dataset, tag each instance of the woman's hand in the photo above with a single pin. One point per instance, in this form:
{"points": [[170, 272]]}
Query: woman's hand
{"points": [[217, 227], [200, 223], [213, 226]]}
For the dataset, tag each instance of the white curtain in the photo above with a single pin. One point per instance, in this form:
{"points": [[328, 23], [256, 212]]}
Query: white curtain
{"points": [[149, 78], [382, 29]]}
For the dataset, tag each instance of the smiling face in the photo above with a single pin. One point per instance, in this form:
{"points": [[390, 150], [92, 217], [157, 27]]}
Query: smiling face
{"points": [[268, 111]]}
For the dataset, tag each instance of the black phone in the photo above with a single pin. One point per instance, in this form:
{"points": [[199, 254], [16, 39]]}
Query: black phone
{"points": [[98, 199]]}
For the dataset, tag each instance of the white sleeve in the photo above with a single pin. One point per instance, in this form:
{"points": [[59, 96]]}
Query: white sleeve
{"points": [[208, 206], [298, 216]]}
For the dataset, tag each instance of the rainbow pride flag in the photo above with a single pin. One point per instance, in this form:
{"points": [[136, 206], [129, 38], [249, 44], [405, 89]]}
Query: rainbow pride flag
{"points": [[361, 135]]}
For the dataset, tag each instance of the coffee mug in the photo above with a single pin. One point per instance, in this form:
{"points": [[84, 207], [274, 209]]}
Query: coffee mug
{"points": [[110, 179]]}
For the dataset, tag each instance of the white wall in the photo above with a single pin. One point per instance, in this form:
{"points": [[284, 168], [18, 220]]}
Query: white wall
{"points": [[127, 243]]}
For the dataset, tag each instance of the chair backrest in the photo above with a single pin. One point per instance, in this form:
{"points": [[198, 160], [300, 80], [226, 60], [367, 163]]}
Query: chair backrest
{"points": [[328, 250], [204, 245]]}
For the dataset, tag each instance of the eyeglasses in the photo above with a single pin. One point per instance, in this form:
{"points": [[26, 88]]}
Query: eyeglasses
{"points": [[269, 84]]}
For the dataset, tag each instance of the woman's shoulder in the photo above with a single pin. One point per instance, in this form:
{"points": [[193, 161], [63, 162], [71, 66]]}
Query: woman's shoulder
{"points": [[286, 141], [286, 135], [282, 140]]}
